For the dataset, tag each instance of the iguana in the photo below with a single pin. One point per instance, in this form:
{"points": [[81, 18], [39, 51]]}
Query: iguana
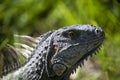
{"points": [[59, 53]]}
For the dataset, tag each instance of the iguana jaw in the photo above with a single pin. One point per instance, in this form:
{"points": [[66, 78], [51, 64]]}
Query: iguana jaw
{"points": [[67, 71]]}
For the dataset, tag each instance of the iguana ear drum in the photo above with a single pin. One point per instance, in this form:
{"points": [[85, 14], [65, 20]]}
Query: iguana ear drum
{"points": [[50, 52], [55, 48]]}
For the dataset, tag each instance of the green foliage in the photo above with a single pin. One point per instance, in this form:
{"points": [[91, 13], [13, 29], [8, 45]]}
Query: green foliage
{"points": [[34, 17]]}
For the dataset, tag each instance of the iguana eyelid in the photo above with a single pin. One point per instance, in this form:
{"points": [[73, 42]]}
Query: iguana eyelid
{"points": [[70, 34]]}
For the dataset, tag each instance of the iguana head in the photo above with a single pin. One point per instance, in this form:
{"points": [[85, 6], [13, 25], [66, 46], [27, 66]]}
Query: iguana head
{"points": [[71, 45]]}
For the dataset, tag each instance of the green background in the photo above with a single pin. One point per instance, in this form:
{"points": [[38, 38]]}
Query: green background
{"points": [[35, 17]]}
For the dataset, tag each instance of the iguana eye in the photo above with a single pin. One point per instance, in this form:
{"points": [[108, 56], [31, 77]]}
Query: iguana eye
{"points": [[72, 34]]}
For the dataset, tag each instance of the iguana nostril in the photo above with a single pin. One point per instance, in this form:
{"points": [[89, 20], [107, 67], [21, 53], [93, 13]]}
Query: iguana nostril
{"points": [[59, 69], [98, 31]]}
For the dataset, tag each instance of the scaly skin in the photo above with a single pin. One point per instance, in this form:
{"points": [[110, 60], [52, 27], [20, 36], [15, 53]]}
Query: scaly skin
{"points": [[61, 52]]}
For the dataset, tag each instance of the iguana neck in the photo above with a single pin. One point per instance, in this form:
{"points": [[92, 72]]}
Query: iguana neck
{"points": [[35, 67]]}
